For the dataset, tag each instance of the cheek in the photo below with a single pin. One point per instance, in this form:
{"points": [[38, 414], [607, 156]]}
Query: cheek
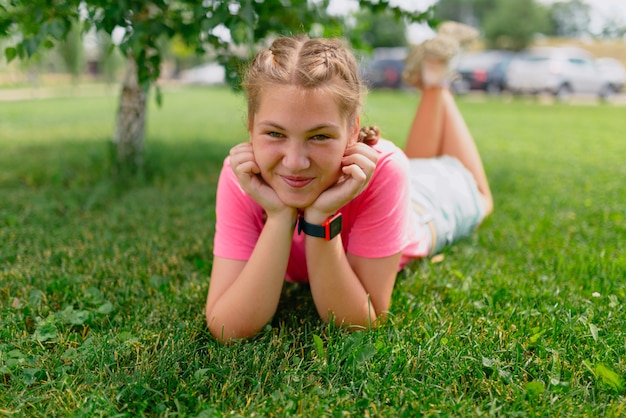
{"points": [[262, 155], [331, 162]]}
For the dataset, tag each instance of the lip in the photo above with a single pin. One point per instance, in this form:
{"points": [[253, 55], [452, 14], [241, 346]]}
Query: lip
{"points": [[297, 182]]}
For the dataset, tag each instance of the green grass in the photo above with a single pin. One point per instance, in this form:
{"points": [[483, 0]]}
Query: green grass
{"points": [[102, 288]]}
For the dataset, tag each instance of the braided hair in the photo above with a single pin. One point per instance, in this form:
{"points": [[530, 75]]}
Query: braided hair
{"points": [[369, 135]]}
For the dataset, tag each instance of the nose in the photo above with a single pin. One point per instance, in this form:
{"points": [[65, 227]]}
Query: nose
{"points": [[296, 155]]}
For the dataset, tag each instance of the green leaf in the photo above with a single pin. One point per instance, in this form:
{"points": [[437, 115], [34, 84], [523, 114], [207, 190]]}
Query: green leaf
{"points": [[364, 353], [31, 375], [47, 330], [55, 28], [535, 388], [247, 13], [30, 46], [535, 337], [319, 346], [105, 308], [16, 354], [200, 374], [71, 316], [93, 296], [10, 53], [609, 377]]}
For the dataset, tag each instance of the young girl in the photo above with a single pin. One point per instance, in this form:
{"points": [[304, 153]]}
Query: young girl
{"points": [[313, 198]]}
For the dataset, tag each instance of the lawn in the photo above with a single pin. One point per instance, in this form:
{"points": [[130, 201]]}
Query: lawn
{"points": [[102, 286]]}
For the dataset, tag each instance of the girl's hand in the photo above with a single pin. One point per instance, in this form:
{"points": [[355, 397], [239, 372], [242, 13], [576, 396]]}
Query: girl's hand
{"points": [[248, 173], [357, 166]]}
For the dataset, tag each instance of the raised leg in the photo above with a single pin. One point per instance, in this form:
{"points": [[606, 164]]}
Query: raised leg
{"points": [[438, 128]]}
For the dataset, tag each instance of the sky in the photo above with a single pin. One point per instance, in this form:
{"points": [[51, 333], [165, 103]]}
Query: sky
{"points": [[601, 10]]}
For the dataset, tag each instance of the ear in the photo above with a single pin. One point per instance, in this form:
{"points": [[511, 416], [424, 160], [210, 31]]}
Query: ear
{"points": [[354, 131]]}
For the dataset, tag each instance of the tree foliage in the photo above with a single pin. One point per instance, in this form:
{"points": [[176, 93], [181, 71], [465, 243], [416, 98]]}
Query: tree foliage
{"points": [[570, 18], [505, 24], [513, 25], [211, 24], [380, 30], [614, 27], [231, 29], [471, 12]]}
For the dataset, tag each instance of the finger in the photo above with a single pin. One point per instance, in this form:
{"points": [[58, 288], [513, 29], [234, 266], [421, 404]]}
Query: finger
{"points": [[247, 167], [362, 149], [241, 151], [240, 147], [355, 172], [359, 159], [363, 162]]}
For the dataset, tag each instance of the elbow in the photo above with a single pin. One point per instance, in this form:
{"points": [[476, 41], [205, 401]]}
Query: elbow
{"points": [[227, 333], [365, 320]]}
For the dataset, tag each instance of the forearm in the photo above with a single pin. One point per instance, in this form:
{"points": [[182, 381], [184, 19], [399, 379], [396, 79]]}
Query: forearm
{"points": [[336, 289], [251, 300]]}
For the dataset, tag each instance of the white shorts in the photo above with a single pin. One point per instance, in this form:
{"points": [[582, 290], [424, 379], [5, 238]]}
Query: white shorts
{"points": [[445, 198]]}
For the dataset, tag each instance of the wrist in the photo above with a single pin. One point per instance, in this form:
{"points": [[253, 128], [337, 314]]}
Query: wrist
{"points": [[288, 215], [315, 216], [327, 230]]}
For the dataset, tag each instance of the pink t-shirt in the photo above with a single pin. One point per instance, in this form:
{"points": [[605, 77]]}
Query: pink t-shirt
{"points": [[377, 223]]}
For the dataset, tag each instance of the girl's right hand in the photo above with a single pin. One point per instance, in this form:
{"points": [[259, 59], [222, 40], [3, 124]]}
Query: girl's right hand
{"points": [[248, 173]]}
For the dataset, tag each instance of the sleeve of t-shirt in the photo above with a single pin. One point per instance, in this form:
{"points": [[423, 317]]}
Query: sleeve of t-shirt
{"points": [[239, 219], [381, 225]]}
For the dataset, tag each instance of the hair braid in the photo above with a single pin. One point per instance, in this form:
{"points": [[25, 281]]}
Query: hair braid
{"points": [[369, 135]]}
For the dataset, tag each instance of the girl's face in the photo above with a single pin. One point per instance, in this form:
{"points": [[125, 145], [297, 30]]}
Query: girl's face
{"points": [[299, 138]]}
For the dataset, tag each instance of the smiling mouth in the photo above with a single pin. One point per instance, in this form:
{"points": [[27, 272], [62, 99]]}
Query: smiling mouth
{"points": [[297, 182]]}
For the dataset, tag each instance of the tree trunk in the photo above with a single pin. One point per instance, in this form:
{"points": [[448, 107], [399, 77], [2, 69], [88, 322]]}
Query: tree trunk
{"points": [[131, 121]]}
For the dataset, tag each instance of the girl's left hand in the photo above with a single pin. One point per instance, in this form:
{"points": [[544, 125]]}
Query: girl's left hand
{"points": [[358, 165]]}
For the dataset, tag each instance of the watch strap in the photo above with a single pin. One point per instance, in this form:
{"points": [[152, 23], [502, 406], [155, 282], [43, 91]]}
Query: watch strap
{"points": [[328, 230]]}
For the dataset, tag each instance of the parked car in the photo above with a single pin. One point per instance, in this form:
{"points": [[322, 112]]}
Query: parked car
{"points": [[384, 73], [560, 71], [613, 70], [484, 70]]}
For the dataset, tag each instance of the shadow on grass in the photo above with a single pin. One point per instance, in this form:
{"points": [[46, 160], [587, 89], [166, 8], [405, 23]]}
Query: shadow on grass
{"points": [[85, 169]]}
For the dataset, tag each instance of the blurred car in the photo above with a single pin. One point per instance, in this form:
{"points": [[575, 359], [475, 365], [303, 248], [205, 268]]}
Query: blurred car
{"points": [[560, 71], [484, 70], [384, 73], [613, 71], [208, 74]]}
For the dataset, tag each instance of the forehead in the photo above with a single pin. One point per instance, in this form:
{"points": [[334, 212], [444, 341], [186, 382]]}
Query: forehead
{"points": [[292, 103]]}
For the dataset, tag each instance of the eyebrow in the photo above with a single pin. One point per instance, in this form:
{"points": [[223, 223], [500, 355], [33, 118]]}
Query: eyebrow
{"points": [[313, 129]]}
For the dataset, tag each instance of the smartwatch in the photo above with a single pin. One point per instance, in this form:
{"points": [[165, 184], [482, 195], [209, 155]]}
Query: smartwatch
{"points": [[328, 230]]}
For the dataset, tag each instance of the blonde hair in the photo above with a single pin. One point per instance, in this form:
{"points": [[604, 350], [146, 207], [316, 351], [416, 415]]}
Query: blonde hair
{"points": [[319, 63]]}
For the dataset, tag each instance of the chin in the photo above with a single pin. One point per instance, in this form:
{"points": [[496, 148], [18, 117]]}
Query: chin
{"points": [[297, 202]]}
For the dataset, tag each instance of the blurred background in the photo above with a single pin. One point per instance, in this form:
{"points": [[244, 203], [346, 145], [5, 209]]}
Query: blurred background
{"points": [[560, 48]]}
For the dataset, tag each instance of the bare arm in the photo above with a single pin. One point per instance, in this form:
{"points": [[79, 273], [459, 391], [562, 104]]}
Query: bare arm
{"points": [[350, 290], [243, 295]]}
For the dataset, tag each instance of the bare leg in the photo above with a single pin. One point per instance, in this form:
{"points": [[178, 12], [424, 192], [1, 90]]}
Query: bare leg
{"points": [[439, 129]]}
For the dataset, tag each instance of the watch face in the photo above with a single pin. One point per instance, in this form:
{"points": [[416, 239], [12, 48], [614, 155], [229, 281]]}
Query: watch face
{"points": [[334, 226]]}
